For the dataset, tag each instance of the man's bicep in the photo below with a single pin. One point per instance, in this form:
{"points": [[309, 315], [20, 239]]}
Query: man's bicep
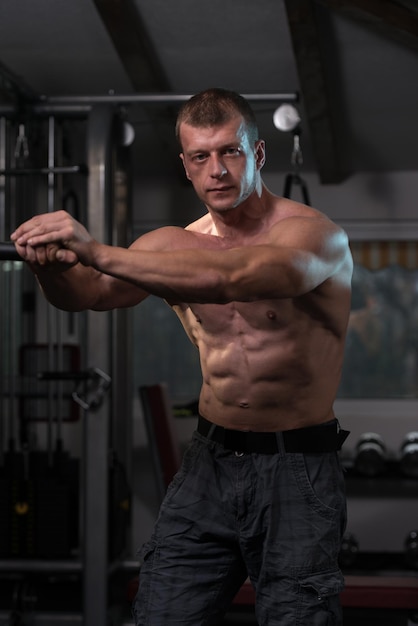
{"points": [[115, 293]]}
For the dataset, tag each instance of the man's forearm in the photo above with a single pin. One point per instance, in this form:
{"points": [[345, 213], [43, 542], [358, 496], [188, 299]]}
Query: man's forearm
{"points": [[72, 290]]}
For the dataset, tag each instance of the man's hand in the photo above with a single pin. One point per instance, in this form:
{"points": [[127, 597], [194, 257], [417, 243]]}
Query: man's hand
{"points": [[54, 238], [50, 256]]}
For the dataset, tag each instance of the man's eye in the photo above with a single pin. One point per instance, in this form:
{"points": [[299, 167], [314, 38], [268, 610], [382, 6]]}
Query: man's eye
{"points": [[232, 151], [199, 157]]}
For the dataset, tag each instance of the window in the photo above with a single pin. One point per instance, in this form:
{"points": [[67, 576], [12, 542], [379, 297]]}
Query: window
{"points": [[381, 357]]}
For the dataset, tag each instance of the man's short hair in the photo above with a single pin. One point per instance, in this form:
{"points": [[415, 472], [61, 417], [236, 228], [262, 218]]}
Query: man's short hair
{"points": [[214, 107]]}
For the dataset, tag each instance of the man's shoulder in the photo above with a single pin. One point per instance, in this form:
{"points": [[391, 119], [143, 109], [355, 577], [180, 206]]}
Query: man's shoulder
{"points": [[164, 238], [300, 218], [287, 208]]}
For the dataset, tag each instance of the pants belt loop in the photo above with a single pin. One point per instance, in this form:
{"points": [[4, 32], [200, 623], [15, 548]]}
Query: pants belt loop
{"points": [[280, 443]]}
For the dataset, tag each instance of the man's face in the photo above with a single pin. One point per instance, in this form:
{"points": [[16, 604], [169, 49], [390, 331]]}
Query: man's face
{"points": [[221, 163]]}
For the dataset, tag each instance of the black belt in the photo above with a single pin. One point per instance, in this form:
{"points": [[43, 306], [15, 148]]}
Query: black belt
{"points": [[328, 437]]}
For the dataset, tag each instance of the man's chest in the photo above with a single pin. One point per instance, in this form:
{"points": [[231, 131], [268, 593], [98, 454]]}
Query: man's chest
{"points": [[229, 322]]}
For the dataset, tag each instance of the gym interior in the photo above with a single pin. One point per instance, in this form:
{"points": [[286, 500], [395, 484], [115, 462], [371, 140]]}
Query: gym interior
{"points": [[96, 408]]}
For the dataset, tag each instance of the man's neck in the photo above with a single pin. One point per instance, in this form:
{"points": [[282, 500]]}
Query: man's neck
{"points": [[248, 218]]}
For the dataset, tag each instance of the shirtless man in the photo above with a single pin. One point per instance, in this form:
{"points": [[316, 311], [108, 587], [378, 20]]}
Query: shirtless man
{"points": [[261, 285]]}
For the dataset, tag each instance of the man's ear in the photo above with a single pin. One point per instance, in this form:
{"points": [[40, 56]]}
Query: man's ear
{"points": [[181, 155], [260, 153]]}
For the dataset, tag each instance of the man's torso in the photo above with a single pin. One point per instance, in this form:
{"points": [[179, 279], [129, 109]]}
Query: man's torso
{"points": [[270, 364]]}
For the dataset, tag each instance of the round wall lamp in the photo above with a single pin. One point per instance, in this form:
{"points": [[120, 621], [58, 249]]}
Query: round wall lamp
{"points": [[286, 117]]}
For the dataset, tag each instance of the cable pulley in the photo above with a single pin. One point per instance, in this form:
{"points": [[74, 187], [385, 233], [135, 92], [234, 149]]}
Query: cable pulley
{"points": [[293, 178], [287, 119]]}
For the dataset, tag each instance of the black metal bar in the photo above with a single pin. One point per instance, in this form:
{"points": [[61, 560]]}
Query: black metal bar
{"points": [[156, 98], [82, 105], [8, 252], [25, 171], [85, 375]]}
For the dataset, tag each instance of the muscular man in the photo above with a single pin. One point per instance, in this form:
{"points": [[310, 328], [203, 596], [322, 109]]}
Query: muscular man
{"points": [[261, 285]]}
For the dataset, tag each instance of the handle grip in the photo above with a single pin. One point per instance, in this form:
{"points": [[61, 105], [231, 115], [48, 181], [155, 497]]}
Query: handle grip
{"points": [[8, 252]]}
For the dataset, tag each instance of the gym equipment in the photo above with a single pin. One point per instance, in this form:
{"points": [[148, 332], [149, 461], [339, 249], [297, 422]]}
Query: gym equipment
{"points": [[409, 455], [120, 500], [287, 119], [349, 550], [39, 503], [370, 455], [29, 171], [39, 488], [411, 549], [8, 252], [34, 361], [159, 423], [91, 388], [104, 337], [95, 383]]}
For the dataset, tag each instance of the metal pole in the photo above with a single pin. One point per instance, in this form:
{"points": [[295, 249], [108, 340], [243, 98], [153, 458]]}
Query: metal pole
{"points": [[156, 98], [3, 294], [50, 311], [8, 253], [81, 105], [96, 433], [29, 171]]}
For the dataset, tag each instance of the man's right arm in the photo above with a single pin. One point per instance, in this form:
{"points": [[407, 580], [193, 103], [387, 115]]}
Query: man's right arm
{"points": [[75, 287], [58, 248]]}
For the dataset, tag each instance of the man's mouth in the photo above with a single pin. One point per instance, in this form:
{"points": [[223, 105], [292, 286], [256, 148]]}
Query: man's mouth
{"points": [[219, 189]]}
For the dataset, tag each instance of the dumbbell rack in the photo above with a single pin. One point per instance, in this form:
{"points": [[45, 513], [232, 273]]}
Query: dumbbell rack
{"points": [[389, 486]]}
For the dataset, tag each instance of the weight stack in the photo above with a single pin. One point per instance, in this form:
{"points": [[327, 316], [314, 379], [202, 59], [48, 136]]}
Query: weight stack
{"points": [[119, 509], [38, 506]]}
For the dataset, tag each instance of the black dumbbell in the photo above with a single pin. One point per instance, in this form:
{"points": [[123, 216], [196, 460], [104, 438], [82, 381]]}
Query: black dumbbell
{"points": [[349, 550], [411, 549], [409, 455], [370, 455]]}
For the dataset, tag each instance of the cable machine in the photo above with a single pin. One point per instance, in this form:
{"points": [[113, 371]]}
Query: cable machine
{"points": [[286, 119], [58, 367], [102, 376]]}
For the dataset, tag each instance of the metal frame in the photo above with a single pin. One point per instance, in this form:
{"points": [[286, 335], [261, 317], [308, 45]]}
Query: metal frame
{"points": [[83, 104], [99, 335], [102, 331], [106, 334]]}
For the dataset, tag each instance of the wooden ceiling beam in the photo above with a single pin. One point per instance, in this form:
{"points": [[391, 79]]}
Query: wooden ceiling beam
{"points": [[132, 44], [313, 89], [14, 89], [397, 20], [139, 57], [394, 20]]}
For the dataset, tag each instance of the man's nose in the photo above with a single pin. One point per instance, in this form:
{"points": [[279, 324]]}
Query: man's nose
{"points": [[218, 168]]}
